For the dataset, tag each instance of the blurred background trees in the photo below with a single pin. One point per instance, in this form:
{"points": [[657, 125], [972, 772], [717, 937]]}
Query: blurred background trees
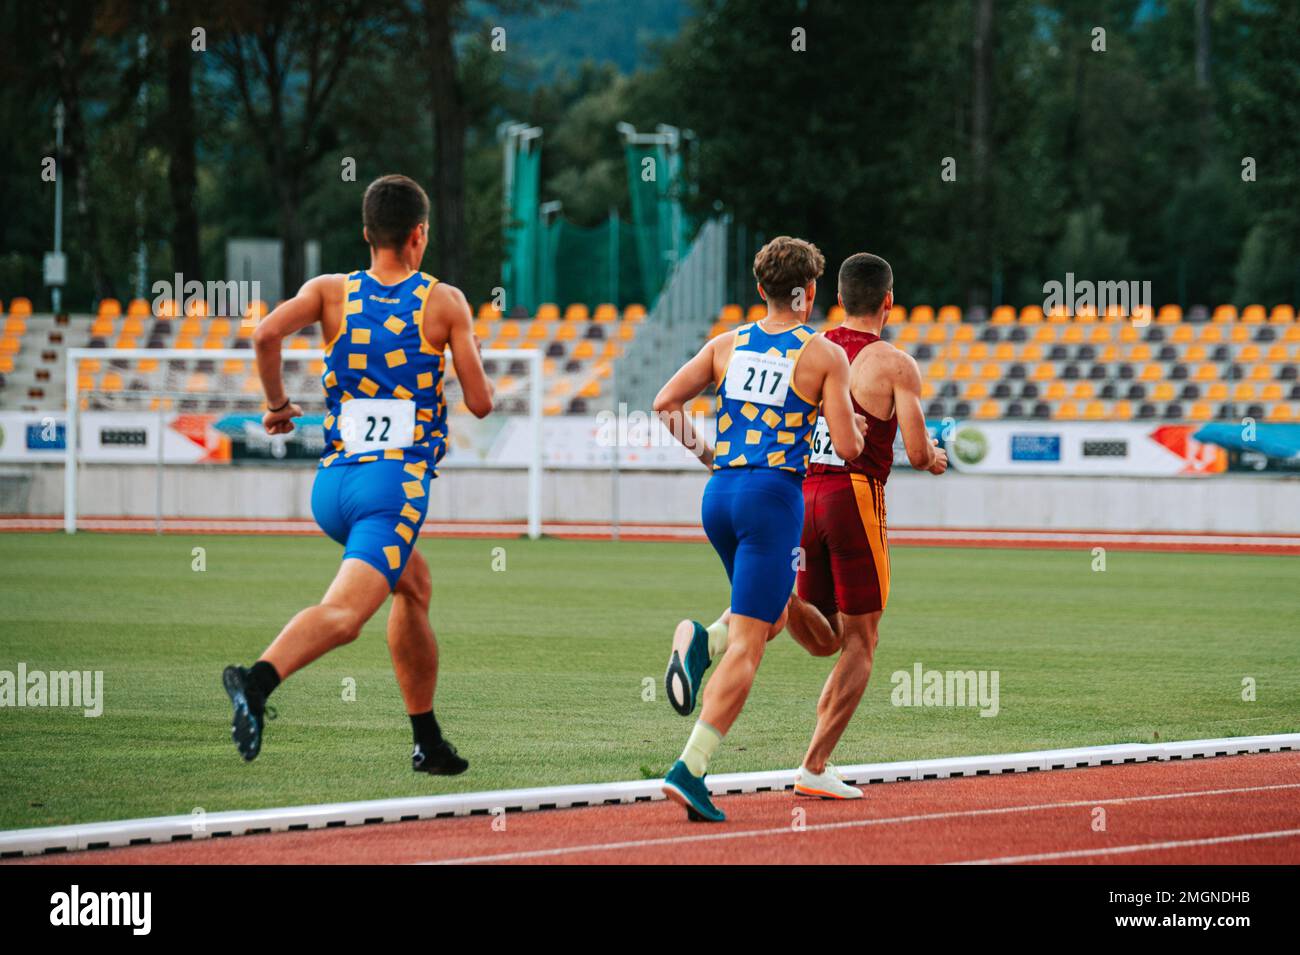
{"points": [[1117, 157]]}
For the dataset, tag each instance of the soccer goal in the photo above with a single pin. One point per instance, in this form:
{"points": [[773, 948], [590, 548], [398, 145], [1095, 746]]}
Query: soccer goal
{"points": [[172, 440]]}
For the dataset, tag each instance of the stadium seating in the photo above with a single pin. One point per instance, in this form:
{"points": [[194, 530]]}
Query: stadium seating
{"points": [[1089, 367], [579, 345], [1195, 365]]}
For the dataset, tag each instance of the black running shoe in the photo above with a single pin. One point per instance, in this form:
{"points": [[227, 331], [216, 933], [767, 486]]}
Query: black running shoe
{"points": [[441, 760], [250, 712]]}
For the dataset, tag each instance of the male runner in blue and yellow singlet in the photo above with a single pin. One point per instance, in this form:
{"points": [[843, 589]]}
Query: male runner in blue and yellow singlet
{"points": [[387, 329], [771, 376]]}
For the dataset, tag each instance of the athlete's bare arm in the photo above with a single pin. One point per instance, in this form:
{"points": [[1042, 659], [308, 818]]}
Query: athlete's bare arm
{"points": [[691, 379], [308, 306], [923, 451], [447, 320], [846, 427]]}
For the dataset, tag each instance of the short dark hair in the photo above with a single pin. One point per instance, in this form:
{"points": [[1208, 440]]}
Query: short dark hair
{"points": [[864, 281], [785, 264], [393, 206]]}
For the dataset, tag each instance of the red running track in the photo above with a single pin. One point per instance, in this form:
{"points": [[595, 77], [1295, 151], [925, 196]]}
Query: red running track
{"points": [[1235, 809]]}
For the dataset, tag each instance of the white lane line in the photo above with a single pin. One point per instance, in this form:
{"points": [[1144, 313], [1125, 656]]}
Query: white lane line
{"points": [[1141, 847], [850, 824]]}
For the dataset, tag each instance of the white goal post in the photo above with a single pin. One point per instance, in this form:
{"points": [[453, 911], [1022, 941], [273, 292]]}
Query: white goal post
{"points": [[532, 394]]}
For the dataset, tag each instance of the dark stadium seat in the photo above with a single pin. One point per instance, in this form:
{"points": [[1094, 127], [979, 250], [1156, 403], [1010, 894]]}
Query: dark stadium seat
{"points": [[1154, 334], [1124, 372], [1190, 392], [989, 334], [1255, 411], [1173, 411], [491, 366], [1029, 391], [1098, 373], [1018, 334], [1109, 391], [555, 350], [1178, 372], [1265, 334], [1070, 372], [923, 353], [1146, 411], [936, 409], [949, 389], [1014, 410], [1136, 392], [1002, 391], [1226, 412], [1042, 410], [1287, 373], [961, 410], [1016, 372]]}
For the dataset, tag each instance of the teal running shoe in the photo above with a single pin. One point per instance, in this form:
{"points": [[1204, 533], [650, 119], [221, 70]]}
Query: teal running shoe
{"points": [[686, 666], [687, 789]]}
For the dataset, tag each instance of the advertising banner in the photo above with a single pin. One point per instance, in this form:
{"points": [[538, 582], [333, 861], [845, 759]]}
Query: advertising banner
{"points": [[32, 435], [133, 437], [1078, 447]]}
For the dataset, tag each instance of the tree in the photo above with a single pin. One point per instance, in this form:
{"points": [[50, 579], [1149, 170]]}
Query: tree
{"points": [[182, 168], [70, 29], [286, 61]]}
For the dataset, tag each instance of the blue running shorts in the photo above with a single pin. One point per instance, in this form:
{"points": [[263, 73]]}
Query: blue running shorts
{"points": [[374, 510], [754, 518]]}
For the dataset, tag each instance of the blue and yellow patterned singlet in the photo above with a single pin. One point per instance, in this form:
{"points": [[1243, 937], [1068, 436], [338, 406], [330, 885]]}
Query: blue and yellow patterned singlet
{"points": [[383, 380], [763, 421]]}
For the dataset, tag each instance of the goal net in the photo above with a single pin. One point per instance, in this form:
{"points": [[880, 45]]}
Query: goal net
{"points": [[172, 439]]}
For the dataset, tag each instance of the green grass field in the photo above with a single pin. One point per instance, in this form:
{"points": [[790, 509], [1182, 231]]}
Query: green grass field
{"points": [[547, 665]]}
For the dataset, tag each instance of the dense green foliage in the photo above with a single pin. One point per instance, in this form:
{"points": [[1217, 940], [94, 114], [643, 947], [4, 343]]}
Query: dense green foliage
{"points": [[1122, 164]]}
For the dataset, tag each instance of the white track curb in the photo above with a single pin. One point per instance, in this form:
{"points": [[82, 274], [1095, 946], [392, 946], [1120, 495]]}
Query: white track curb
{"points": [[162, 829]]}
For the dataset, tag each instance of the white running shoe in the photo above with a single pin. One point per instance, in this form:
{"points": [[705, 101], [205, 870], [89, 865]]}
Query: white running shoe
{"points": [[825, 785]]}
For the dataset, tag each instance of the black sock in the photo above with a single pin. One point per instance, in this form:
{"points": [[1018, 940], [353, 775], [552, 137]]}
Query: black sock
{"points": [[425, 730], [263, 677]]}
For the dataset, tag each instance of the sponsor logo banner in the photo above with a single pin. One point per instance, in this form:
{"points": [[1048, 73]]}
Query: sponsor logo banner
{"points": [[1076, 447]]}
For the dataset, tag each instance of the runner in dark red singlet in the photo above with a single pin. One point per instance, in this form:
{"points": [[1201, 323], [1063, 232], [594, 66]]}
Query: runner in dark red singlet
{"points": [[843, 586]]}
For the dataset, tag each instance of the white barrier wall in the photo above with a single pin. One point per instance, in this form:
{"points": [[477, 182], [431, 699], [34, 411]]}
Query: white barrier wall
{"points": [[1243, 504]]}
